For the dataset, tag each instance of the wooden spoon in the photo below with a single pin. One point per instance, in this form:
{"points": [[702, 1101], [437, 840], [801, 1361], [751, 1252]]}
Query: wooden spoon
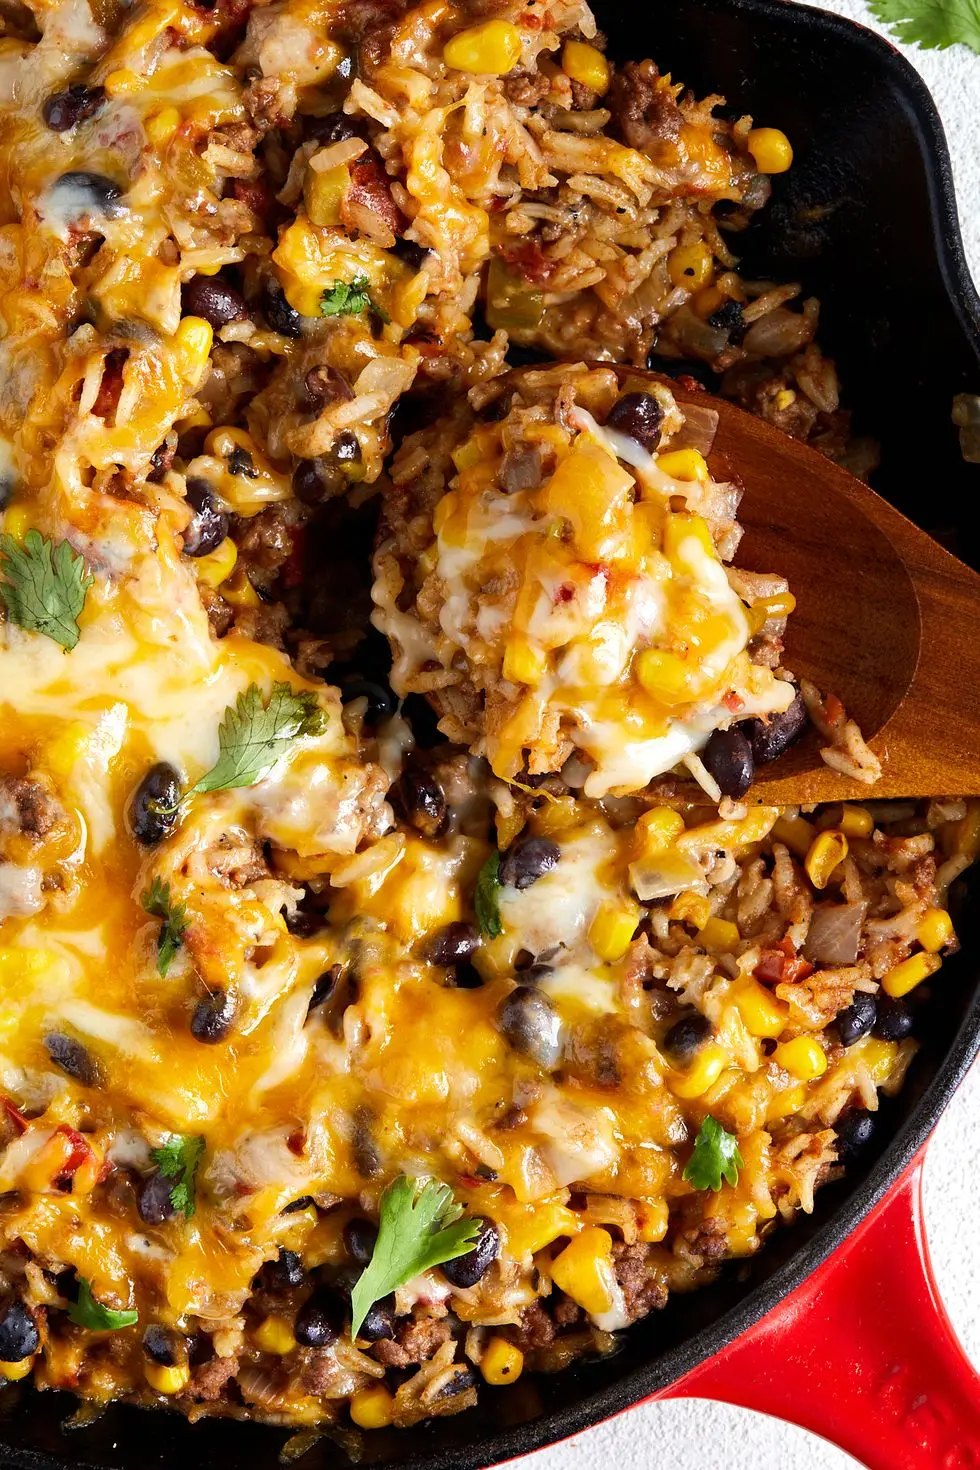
{"points": [[885, 618]]}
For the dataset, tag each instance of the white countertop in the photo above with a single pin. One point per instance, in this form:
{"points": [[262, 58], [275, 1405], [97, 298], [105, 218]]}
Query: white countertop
{"points": [[696, 1435]]}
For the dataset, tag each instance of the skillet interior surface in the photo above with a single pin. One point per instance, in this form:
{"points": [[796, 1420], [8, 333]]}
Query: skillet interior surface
{"points": [[866, 218]]}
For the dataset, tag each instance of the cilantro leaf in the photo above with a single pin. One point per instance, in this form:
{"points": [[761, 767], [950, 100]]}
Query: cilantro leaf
{"points": [[45, 586], [351, 298], [254, 734], [87, 1312], [486, 898], [178, 1159], [420, 1227], [934, 24], [715, 1157], [157, 901]]}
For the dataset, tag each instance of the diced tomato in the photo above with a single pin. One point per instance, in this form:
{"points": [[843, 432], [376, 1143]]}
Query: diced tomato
{"points": [[782, 965], [77, 1154], [733, 701]]}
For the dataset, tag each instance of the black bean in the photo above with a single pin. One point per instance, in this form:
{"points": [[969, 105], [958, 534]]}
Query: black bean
{"points": [[769, 738], [854, 1132], [893, 1021], [303, 1203], [213, 1018], [728, 318], [531, 1024], [465, 977], [687, 1036], [335, 127], [367, 1156], [728, 757], [320, 1320], [528, 860], [857, 1019], [534, 974], [78, 194], [154, 809], [19, 1337], [159, 1345], [422, 802], [286, 1271], [153, 1202], [346, 448], [278, 313], [359, 1238], [458, 941], [639, 416], [324, 384], [208, 526], [241, 463], [214, 299], [413, 254], [71, 1056], [380, 1320], [77, 103], [325, 986], [311, 481], [380, 700], [467, 1270]]}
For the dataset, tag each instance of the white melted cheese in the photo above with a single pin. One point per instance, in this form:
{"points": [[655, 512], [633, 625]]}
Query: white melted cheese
{"points": [[558, 909]]}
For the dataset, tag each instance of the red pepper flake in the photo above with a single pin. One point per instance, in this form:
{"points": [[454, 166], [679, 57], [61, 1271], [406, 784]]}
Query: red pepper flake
{"points": [[565, 593], [15, 1116], [733, 701], [80, 1151], [782, 965]]}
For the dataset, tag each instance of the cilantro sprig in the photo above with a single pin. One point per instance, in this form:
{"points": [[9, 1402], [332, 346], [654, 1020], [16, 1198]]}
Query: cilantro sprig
{"points": [[420, 1227], [351, 298], [87, 1312], [255, 732], [158, 903], [44, 586], [715, 1157], [486, 899], [932, 24], [178, 1159]]}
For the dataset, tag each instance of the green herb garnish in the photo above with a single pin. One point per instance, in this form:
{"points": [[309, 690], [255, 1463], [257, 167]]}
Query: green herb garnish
{"points": [[254, 734], [178, 1159], [420, 1227], [486, 899], [157, 901], [45, 586], [715, 1157], [933, 24], [351, 298], [87, 1312]]}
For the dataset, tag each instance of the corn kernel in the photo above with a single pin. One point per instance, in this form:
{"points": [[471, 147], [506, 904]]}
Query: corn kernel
{"points": [[690, 908], [771, 150], [910, 973], [879, 1058], [784, 1103], [703, 1073], [192, 340], [372, 1408], [803, 1058], [720, 935], [667, 677], [586, 65], [680, 529], [17, 521], [796, 833], [323, 193], [691, 266], [119, 83], [218, 564], [274, 1335], [785, 399], [490, 49], [761, 1013], [168, 1380], [584, 1270], [826, 852], [652, 1218], [14, 1372], [684, 464], [656, 830], [612, 929], [524, 662], [935, 930], [502, 1362], [780, 605], [856, 821], [238, 590], [161, 126], [707, 302]]}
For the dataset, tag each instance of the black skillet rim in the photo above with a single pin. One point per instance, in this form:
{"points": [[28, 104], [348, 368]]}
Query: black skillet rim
{"points": [[594, 1408]]}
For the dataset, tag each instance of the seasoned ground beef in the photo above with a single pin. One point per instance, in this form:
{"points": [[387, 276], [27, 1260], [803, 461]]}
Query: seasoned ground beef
{"points": [[642, 1293], [535, 1330], [414, 1342], [208, 1381], [25, 807], [644, 114]]}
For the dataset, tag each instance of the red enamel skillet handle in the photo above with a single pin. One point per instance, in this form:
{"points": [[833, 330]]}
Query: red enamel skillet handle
{"points": [[862, 1353]]}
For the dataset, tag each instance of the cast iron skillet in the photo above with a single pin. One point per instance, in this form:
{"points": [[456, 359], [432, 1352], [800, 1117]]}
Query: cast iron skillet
{"points": [[867, 219]]}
